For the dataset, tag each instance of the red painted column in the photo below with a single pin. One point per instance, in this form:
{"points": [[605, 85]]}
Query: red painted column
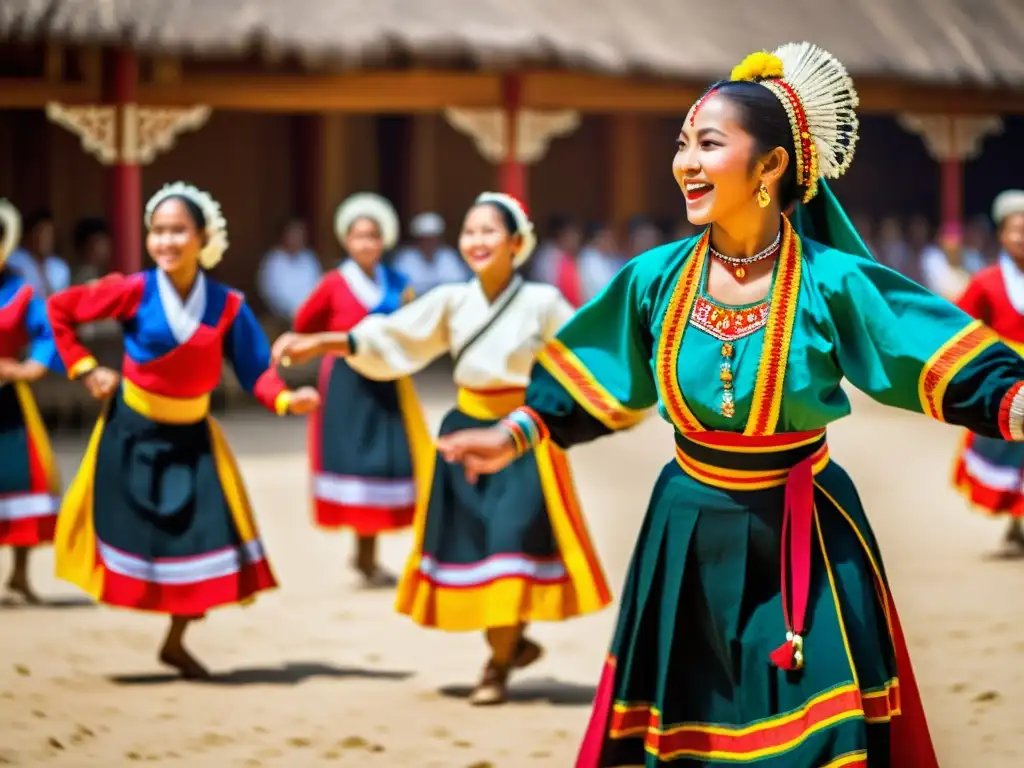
{"points": [[125, 179], [951, 192], [512, 173]]}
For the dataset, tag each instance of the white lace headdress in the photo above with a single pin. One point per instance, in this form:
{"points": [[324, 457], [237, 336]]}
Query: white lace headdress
{"points": [[368, 205], [10, 219], [820, 99], [1007, 204], [216, 225], [524, 226]]}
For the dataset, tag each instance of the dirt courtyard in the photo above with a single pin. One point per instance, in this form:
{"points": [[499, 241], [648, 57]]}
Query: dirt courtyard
{"points": [[321, 673]]}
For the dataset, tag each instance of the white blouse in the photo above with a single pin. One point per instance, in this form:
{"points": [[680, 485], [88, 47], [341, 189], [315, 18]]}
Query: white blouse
{"points": [[445, 318]]}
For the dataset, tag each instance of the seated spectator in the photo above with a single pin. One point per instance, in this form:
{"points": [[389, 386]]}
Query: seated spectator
{"points": [[427, 262], [289, 272], [599, 260], [35, 261], [91, 243]]}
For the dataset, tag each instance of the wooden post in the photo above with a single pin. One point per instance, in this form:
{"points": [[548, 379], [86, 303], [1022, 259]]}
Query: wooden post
{"points": [[627, 180], [512, 172], [952, 140], [333, 181], [125, 174]]}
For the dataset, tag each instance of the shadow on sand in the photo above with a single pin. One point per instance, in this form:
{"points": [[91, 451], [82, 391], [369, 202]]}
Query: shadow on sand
{"points": [[546, 690], [290, 673], [13, 603]]}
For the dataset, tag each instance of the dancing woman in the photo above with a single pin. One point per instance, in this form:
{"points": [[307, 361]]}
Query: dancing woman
{"points": [[369, 444], [29, 479], [741, 337], [512, 549], [157, 518], [989, 472]]}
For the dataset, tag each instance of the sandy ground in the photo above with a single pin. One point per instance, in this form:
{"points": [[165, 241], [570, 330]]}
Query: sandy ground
{"points": [[319, 672]]}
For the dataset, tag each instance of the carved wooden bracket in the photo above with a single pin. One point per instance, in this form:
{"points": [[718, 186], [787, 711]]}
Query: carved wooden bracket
{"points": [[535, 130], [952, 137], [144, 131]]}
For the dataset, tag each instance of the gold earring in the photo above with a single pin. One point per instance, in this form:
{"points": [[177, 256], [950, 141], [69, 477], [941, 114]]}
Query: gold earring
{"points": [[763, 198]]}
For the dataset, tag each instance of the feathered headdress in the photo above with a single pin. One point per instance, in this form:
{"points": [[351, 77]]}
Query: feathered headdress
{"points": [[216, 225], [368, 205], [820, 99], [524, 226], [10, 219]]}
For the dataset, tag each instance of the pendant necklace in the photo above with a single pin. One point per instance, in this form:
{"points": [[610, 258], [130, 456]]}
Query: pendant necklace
{"points": [[739, 264]]}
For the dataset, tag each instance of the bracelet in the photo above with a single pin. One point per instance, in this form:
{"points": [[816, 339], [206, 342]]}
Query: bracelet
{"points": [[526, 429]]}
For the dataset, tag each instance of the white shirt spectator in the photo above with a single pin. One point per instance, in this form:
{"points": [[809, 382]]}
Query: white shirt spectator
{"points": [[285, 280], [53, 275], [446, 266], [443, 266]]}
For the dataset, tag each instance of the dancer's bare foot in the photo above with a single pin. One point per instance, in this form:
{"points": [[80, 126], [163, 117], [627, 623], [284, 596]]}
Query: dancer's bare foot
{"points": [[378, 578], [19, 585], [527, 653], [493, 686], [1015, 534], [178, 658]]}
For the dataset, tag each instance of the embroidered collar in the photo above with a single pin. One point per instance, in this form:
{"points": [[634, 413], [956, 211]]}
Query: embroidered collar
{"points": [[183, 317], [1013, 279], [369, 292]]}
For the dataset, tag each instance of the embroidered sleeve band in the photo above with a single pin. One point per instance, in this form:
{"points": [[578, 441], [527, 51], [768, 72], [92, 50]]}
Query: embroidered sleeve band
{"points": [[1011, 413], [526, 428]]}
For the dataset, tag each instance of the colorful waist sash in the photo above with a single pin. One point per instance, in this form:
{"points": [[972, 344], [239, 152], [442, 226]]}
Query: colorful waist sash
{"points": [[491, 403], [735, 462], [163, 409]]}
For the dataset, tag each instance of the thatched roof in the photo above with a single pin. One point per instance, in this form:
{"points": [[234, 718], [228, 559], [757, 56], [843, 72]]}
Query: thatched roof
{"points": [[975, 42]]}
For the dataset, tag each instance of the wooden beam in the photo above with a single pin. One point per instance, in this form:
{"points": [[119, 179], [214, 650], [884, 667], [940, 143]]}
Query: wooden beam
{"points": [[421, 91], [36, 93], [601, 93], [372, 92]]}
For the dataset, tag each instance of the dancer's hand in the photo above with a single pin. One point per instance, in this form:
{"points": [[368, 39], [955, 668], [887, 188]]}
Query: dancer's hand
{"points": [[295, 348], [101, 382], [303, 400], [14, 370], [480, 451]]}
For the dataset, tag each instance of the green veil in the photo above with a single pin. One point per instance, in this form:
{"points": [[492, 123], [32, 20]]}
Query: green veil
{"points": [[824, 220]]}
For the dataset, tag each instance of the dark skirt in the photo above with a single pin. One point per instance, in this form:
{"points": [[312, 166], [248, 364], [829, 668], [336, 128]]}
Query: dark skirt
{"points": [[362, 453], [989, 473], [690, 680], [29, 480], [511, 549], [157, 519]]}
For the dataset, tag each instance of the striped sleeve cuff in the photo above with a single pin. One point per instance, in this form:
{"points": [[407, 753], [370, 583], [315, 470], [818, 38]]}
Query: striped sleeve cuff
{"points": [[1011, 413], [526, 428], [282, 402], [82, 367]]}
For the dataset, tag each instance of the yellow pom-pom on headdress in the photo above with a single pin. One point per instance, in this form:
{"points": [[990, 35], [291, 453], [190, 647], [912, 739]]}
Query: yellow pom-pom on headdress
{"points": [[758, 66]]}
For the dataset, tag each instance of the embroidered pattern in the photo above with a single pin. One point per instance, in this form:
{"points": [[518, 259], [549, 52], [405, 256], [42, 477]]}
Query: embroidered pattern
{"points": [[767, 402], [727, 323], [948, 361]]}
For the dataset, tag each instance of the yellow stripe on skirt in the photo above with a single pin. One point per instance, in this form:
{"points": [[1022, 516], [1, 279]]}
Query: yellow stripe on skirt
{"points": [[75, 544], [37, 436], [501, 602]]}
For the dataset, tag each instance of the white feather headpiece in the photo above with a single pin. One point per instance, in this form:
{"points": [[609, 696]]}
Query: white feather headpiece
{"points": [[10, 218], [216, 225], [1007, 204], [820, 99], [368, 205], [524, 226]]}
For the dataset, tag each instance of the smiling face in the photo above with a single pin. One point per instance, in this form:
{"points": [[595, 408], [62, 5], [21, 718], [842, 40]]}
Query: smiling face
{"points": [[715, 165], [174, 239], [485, 242], [364, 243], [1011, 237]]}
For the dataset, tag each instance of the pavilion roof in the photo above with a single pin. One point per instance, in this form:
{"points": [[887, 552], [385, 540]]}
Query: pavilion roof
{"points": [[941, 42]]}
